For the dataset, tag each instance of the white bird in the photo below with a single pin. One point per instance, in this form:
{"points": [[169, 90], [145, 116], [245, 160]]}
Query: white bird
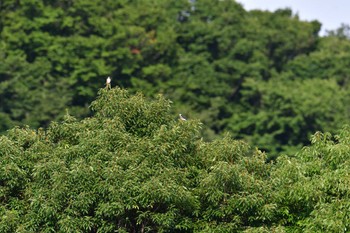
{"points": [[182, 118], [108, 82]]}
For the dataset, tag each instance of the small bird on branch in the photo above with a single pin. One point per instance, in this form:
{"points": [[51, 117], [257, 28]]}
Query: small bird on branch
{"points": [[182, 118], [108, 83]]}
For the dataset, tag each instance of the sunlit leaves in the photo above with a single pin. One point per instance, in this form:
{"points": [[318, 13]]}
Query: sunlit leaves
{"points": [[135, 166]]}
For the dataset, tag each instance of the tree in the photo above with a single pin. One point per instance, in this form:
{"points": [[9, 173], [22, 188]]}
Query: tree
{"points": [[289, 111], [133, 166], [311, 189], [329, 61], [130, 167]]}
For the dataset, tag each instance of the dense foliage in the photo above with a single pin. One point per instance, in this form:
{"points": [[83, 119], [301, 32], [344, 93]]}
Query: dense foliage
{"points": [[266, 77], [129, 164], [135, 167]]}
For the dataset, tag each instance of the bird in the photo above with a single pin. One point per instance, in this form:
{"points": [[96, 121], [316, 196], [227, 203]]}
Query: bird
{"points": [[182, 118], [108, 82]]}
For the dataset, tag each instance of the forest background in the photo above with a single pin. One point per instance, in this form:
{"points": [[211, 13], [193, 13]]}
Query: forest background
{"points": [[267, 78]]}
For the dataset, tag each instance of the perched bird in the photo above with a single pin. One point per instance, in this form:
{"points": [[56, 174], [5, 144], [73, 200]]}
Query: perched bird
{"points": [[108, 82], [182, 118]]}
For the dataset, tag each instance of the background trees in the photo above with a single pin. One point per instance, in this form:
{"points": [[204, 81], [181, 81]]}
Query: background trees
{"points": [[214, 60]]}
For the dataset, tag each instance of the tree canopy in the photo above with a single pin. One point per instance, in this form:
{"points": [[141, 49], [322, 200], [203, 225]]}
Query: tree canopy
{"points": [[133, 166]]}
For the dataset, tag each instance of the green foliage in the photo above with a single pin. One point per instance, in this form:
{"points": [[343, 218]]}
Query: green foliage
{"points": [[312, 189], [134, 167], [263, 76], [289, 110]]}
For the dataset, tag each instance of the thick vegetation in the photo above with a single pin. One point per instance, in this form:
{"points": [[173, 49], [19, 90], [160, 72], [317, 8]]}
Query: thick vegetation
{"points": [[134, 167], [267, 78], [129, 164]]}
